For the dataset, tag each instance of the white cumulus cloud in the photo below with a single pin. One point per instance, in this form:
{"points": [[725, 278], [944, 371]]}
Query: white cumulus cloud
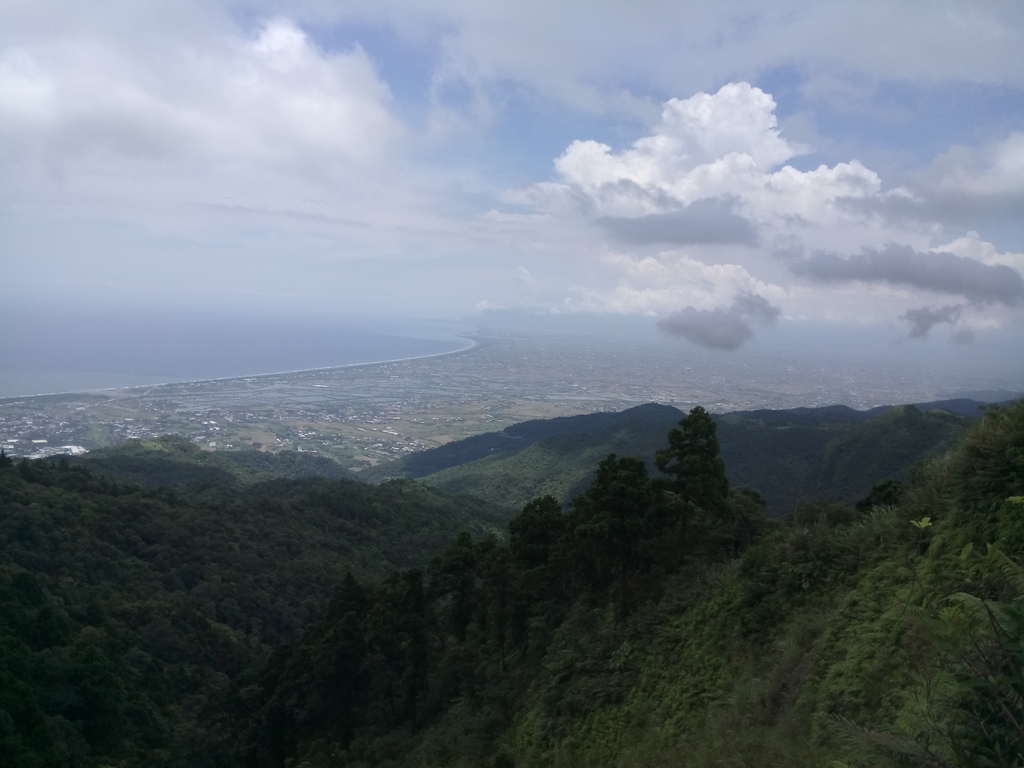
{"points": [[722, 145], [665, 282], [971, 246], [738, 121]]}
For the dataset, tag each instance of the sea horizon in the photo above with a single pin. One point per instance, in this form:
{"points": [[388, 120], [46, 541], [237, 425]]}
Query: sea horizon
{"points": [[36, 365]]}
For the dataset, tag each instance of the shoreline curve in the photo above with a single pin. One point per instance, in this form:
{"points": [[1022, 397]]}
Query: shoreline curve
{"points": [[473, 344]]}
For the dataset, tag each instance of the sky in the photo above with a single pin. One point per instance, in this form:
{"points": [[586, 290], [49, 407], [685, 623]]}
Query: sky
{"points": [[725, 168]]}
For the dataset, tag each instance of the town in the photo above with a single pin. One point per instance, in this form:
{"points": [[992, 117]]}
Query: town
{"points": [[363, 415]]}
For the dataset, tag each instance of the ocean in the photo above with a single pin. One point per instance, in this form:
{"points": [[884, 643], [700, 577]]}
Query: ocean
{"points": [[68, 353]]}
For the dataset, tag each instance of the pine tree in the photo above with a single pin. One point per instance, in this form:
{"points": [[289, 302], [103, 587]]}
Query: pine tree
{"points": [[697, 484], [691, 460]]}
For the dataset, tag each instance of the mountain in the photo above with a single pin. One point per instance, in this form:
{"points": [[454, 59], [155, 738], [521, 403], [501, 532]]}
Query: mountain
{"points": [[124, 608], [546, 457], [518, 437], [176, 461], [790, 455], [614, 635], [312, 621], [829, 453]]}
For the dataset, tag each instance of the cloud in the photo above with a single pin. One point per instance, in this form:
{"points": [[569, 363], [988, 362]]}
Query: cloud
{"points": [[963, 335], [901, 265], [526, 278], [716, 169], [711, 328], [704, 146], [241, 161], [273, 99], [659, 284], [737, 120], [710, 161], [971, 246], [702, 222], [756, 307], [923, 319], [724, 328], [996, 170], [210, 143], [592, 55], [967, 186]]}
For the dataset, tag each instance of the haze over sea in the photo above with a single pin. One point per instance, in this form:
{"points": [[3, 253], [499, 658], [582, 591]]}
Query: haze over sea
{"points": [[69, 353]]}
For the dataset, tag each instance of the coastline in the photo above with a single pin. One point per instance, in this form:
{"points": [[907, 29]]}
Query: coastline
{"points": [[473, 343]]}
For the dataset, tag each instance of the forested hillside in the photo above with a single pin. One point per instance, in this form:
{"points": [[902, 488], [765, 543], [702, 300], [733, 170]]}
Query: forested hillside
{"points": [[789, 456], [122, 609], [176, 461], [665, 621], [660, 619], [651, 420]]}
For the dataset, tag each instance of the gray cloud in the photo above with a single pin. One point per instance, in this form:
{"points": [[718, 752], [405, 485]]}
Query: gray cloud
{"points": [[963, 336], [704, 221], [974, 185], [722, 328], [923, 319], [757, 307], [901, 265], [955, 207], [712, 328]]}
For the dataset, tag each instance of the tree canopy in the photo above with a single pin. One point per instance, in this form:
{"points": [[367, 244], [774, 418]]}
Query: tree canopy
{"points": [[693, 463], [653, 621]]}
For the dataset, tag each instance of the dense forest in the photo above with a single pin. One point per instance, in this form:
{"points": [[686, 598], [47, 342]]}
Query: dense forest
{"points": [[124, 608], [789, 455], [658, 618]]}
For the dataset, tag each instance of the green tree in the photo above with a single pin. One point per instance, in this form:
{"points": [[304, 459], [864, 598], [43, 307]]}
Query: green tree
{"points": [[887, 494], [696, 472], [608, 523], [453, 576], [537, 544], [536, 531], [691, 460]]}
